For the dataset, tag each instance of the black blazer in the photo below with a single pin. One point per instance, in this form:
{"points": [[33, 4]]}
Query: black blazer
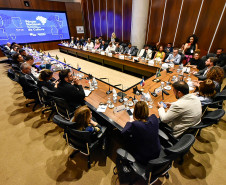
{"points": [[103, 46], [200, 75], [73, 94], [48, 84], [142, 139]]}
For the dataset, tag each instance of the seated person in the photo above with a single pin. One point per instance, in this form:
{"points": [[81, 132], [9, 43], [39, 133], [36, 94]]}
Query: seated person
{"points": [[100, 39], [44, 80], [23, 53], [89, 44], [160, 54], [103, 45], [30, 60], [70, 90], [210, 62], [110, 48], [216, 74], [84, 121], [169, 48], [221, 58], [82, 41], [17, 59], [14, 50], [196, 62], [97, 44], [129, 50], [28, 84], [183, 113], [190, 47], [118, 48], [206, 92], [141, 134], [77, 41], [7, 46], [146, 52], [175, 57]]}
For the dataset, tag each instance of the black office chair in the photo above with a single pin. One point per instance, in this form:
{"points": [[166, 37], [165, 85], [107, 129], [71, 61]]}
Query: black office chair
{"points": [[211, 55], [128, 169], [16, 68], [12, 75], [62, 108], [81, 141], [45, 97]]}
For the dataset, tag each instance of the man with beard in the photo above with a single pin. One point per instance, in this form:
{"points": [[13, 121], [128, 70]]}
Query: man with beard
{"points": [[70, 90], [210, 62], [183, 113]]}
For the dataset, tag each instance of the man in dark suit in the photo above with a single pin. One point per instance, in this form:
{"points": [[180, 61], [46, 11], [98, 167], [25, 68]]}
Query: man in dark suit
{"points": [[28, 82], [70, 90], [17, 59], [130, 50], [23, 53], [210, 62], [103, 45]]}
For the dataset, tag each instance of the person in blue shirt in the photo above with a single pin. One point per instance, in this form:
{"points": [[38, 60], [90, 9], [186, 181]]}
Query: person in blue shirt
{"points": [[141, 134], [174, 57]]}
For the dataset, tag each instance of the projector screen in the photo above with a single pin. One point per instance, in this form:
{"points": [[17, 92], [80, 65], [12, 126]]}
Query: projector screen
{"points": [[22, 26]]}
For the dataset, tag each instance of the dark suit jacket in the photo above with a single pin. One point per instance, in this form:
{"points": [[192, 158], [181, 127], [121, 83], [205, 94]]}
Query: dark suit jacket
{"points": [[133, 51], [200, 75], [28, 85], [143, 139], [103, 46], [73, 94]]}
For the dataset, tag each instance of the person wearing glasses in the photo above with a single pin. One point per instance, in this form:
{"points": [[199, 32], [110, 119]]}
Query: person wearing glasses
{"points": [[174, 57]]}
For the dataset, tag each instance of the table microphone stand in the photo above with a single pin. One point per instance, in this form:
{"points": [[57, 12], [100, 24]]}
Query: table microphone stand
{"points": [[109, 90]]}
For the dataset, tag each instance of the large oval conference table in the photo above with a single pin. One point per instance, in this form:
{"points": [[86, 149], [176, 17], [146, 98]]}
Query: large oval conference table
{"points": [[119, 119]]}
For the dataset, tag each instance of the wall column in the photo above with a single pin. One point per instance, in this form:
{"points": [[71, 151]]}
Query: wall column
{"points": [[139, 22]]}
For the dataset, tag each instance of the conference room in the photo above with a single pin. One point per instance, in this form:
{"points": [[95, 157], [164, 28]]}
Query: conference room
{"points": [[112, 91]]}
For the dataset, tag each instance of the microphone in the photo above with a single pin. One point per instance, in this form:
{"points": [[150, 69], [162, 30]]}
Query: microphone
{"points": [[153, 93], [162, 95], [109, 91], [168, 82], [121, 94]]}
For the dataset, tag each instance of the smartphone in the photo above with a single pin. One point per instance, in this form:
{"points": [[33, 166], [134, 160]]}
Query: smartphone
{"points": [[164, 105], [129, 112]]}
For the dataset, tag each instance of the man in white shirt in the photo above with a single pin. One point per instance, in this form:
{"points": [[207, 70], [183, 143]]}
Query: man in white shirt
{"points": [[145, 53], [89, 44], [7, 46], [110, 48], [183, 113]]}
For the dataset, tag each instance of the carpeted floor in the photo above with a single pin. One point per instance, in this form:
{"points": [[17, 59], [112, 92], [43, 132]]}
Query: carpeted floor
{"points": [[33, 150], [115, 77]]}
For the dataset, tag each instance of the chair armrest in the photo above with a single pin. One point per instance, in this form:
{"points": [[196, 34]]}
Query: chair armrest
{"points": [[125, 155]]}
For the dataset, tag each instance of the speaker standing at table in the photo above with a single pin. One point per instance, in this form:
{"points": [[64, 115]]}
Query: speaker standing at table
{"points": [[70, 90], [141, 134]]}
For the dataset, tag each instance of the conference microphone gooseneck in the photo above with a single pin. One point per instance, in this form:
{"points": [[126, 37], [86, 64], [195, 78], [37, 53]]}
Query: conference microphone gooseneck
{"points": [[153, 93], [109, 90]]}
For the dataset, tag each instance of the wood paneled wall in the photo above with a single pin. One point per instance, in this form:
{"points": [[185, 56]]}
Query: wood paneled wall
{"points": [[102, 17], [73, 10], [181, 18]]}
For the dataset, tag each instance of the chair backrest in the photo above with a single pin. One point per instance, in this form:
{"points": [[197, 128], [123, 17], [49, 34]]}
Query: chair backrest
{"points": [[12, 75], [80, 140], [221, 96], [181, 147], [16, 68], [62, 107], [210, 55], [61, 122]]}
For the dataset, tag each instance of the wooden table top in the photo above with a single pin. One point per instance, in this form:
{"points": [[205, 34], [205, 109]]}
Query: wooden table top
{"points": [[122, 117]]}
